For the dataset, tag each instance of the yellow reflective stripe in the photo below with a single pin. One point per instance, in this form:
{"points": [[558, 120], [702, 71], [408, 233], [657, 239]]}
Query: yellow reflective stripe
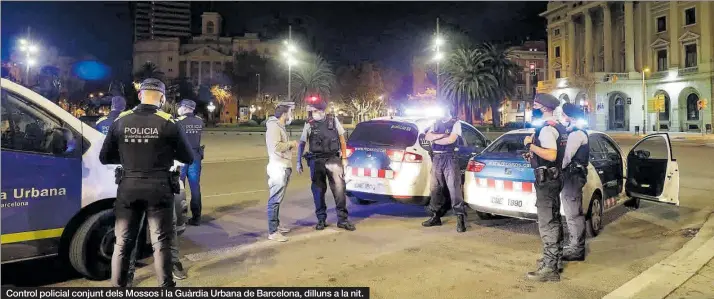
{"points": [[101, 119], [164, 115], [125, 113], [31, 235], [182, 117]]}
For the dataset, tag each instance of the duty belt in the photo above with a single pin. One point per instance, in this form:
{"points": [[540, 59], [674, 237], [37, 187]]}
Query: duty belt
{"points": [[546, 174], [145, 174]]}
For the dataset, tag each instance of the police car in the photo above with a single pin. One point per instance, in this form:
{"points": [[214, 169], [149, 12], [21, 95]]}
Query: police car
{"points": [[500, 181], [57, 198], [388, 159]]}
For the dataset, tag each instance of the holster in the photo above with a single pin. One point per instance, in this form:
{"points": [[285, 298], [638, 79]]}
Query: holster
{"points": [[544, 175], [118, 174], [174, 178], [576, 170]]}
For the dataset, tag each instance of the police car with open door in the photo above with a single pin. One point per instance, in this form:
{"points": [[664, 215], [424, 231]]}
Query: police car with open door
{"points": [[388, 159], [500, 181], [57, 198]]}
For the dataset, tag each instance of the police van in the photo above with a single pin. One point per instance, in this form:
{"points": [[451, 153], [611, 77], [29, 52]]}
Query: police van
{"points": [[57, 198], [388, 159], [499, 181]]}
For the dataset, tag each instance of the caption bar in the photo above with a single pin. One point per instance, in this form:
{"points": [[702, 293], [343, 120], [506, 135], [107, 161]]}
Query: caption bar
{"points": [[190, 293]]}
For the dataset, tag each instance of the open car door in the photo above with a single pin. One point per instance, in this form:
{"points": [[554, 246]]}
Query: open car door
{"points": [[652, 171]]}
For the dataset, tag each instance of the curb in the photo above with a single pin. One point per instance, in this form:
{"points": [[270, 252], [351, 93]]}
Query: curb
{"points": [[669, 274]]}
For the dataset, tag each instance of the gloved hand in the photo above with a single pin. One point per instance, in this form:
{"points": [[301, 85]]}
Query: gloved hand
{"points": [[299, 167]]}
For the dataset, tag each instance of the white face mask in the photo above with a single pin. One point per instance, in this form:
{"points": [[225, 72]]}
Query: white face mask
{"points": [[318, 115]]}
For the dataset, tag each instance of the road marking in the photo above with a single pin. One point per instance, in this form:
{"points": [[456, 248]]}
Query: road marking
{"points": [[265, 243], [235, 193]]}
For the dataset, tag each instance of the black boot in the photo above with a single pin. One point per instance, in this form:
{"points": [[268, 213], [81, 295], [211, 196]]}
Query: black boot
{"points": [[560, 264], [195, 221], [320, 225], [435, 220], [346, 225], [461, 223], [178, 271], [572, 256]]}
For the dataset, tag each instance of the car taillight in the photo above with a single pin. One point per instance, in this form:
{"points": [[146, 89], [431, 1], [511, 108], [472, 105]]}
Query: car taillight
{"points": [[402, 156], [349, 151], [475, 166]]}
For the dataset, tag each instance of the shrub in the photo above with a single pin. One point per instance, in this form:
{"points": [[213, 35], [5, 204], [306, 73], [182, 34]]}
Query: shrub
{"points": [[298, 122]]}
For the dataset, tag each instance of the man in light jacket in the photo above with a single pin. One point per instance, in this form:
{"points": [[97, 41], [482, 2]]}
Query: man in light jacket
{"points": [[280, 153]]}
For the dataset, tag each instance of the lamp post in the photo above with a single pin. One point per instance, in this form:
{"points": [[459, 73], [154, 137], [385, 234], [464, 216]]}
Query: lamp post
{"points": [[27, 46], [289, 59], [644, 101], [211, 108], [438, 42]]}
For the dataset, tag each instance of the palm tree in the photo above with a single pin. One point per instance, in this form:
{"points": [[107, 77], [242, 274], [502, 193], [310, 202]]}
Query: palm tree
{"points": [[467, 78], [148, 70], [505, 72], [312, 77]]}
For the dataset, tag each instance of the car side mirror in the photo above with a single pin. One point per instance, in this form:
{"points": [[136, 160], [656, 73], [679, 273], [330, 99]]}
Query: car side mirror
{"points": [[62, 141]]}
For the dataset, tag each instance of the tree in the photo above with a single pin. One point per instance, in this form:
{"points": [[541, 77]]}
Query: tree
{"points": [[467, 77], [361, 90], [505, 71], [314, 76], [584, 82], [148, 70]]}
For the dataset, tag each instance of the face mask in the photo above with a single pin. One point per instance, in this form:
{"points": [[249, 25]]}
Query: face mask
{"points": [[537, 113], [318, 115]]}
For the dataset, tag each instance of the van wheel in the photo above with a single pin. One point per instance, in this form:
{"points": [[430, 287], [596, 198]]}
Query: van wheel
{"points": [[92, 245], [594, 218], [359, 201]]}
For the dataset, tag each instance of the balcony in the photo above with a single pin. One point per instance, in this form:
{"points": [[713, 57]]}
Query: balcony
{"points": [[688, 71], [658, 75]]}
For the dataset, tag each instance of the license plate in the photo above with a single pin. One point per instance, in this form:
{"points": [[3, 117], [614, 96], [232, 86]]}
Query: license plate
{"points": [[365, 186], [515, 203]]}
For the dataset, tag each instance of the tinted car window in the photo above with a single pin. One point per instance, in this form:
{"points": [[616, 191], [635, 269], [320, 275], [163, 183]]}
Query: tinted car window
{"points": [[385, 134], [597, 150], [510, 143], [27, 128], [472, 137]]}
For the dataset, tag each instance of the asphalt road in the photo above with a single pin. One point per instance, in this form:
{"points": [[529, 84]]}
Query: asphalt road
{"points": [[390, 251]]}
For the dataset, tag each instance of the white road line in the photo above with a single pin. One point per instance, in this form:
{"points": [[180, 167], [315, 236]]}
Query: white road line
{"points": [[234, 193], [265, 243]]}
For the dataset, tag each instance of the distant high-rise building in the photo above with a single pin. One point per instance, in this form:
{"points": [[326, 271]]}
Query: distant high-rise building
{"points": [[154, 19]]}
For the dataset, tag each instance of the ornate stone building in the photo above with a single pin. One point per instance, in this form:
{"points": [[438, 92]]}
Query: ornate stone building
{"points": [[598, 52]]}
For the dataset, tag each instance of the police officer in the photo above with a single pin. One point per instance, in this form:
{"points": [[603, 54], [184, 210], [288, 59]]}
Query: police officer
{"points": [[575, 172], [145, 141], [103, 123], [326, 159], [445, 172], [546, 149], [192, 125]]}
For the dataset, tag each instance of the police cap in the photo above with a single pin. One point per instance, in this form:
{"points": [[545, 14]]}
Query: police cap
{"points": [[547, 101], [188, 104], [321, 105], [153, 84], [572, 111]]}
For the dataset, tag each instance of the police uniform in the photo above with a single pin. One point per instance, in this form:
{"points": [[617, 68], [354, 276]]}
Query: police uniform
{"points": [[323, 137], [575, 172], [549, 183], [446, 176], [192, 126], [103, 123], [145, 141]]}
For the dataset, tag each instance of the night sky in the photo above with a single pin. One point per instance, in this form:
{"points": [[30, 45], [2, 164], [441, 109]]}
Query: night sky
{"points": [[388, 33]]}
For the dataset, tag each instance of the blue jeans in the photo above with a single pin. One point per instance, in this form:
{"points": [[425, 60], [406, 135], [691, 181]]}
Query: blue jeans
{"points": [[278, 179], [193, 172]]}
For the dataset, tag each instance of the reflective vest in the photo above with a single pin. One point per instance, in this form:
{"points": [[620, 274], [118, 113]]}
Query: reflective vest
{"points": [[324, 138], [441, 127], [561, 141]]}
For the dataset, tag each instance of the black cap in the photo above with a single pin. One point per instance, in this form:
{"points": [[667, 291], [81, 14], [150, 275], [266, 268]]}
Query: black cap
{"points": [[153, 84], [547, 101], [188, 104], [320, 105], [572, 111]]}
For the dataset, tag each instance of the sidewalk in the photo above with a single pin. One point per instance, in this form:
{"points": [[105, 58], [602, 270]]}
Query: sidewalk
{"points": [[687, 273], [674, 136]]}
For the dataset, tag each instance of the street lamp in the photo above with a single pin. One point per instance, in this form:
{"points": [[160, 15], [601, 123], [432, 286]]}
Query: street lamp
{"points": [[438, 55], [27, 46], [211, 107], [290, 49], [644, 101]]}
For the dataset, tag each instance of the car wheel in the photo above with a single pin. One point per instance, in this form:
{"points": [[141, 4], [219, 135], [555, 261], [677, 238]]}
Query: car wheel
{"points": [[633, 203], [594, 218], [92, 245], [359, 201]]}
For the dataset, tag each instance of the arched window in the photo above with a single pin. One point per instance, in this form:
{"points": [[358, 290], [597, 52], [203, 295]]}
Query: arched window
{"points": [[210, 27], [692, 111]]}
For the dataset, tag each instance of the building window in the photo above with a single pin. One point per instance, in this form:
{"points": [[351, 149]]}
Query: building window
{"points": [[692, 109], [690, 16], [210, 27], [557, 74], [171, 59], [661, 24], [661, 60], [556, 32], [690, 58], [171, 70], [557, 52]]}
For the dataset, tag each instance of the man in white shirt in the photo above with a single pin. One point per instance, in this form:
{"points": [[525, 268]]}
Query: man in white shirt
{"points": [[280, 153]]}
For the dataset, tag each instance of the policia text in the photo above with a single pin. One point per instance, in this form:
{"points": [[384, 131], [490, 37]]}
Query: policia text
{"points": [[196, 293]]}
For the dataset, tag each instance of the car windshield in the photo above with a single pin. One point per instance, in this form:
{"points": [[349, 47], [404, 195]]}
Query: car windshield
{"points": [[509, 143], [385, 133]]}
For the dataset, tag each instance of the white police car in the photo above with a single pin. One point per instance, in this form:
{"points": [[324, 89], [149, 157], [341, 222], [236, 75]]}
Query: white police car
{"points": [[500, 181], [388, 159], [57, 198]]}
